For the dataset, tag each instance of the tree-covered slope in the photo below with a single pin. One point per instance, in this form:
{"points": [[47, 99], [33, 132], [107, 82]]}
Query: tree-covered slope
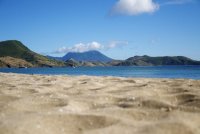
{"points": [[156, 61], [16, 49]]}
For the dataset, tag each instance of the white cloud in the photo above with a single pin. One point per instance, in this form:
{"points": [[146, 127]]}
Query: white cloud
{"points": [[80, 47], [134, 7], [114, 44]]}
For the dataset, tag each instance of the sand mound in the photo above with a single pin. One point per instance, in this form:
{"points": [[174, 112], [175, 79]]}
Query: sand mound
{"points": [[39, 104]]}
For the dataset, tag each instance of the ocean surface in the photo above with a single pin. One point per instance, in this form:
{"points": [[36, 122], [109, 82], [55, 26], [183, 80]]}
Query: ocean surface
{"points": [[187, 72]]}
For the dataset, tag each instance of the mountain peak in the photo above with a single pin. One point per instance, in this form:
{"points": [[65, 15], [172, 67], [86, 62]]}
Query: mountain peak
{"points": [[13, 44], [92, 55]]}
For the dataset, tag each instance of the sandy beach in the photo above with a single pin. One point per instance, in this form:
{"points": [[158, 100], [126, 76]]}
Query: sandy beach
{"points": [[39, 104]]}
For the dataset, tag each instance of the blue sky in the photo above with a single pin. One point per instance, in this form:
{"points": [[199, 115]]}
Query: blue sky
{"points": [[118, 28]]}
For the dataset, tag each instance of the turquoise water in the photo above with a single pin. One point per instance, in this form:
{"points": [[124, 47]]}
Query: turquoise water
{"points": [[189, 72]]}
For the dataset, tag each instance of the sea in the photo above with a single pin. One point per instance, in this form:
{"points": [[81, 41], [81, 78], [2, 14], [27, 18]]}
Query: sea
{"points": [[182, 72]]}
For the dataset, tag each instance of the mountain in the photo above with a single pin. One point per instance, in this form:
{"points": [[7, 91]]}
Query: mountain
{"points": [[157, 61], [90, 56], [15, 49]]}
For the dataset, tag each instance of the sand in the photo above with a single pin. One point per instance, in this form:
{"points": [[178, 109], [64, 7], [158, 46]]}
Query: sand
{"points": [[37, 104]]}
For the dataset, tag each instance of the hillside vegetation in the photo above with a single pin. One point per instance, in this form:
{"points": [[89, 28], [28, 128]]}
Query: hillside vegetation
{"points": [[15, 49], [157, 61]]}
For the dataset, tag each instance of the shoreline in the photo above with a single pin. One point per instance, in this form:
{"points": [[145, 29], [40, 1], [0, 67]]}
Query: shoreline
{"points": [[126, 72], [52, 104], [85, 75]]}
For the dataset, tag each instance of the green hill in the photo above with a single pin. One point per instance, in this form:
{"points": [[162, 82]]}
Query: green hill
{"points": [[157, 61], [16, 49]]}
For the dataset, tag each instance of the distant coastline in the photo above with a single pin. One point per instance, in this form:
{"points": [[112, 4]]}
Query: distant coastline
{"points": [[14, 54]]}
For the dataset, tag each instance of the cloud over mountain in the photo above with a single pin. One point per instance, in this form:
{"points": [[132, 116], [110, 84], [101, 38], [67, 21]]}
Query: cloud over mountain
{"points": [[83, 47], [80, 47]]}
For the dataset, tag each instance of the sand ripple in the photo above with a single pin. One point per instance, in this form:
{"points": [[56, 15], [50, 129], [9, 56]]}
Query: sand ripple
{"points": [[36, 104]]}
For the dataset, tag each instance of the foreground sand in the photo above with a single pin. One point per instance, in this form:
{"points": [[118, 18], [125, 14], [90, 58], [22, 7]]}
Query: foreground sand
{"points": [[33, 104]]}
